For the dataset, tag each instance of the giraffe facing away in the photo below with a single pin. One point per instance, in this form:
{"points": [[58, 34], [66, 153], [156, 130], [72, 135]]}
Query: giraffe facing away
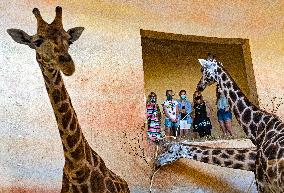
{"points": [[265, 130], [84, 170]]}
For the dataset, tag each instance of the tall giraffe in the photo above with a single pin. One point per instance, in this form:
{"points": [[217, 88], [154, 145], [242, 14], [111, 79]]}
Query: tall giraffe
{"points": [[265, 130], [84, 170]]}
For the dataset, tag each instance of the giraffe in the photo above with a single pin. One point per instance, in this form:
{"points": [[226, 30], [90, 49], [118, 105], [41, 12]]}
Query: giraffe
{"points": [[236, 158], [84, 170], [265, 130]]}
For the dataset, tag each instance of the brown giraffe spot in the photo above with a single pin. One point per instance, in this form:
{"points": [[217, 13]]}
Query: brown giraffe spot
{"points": [[271, 172], [271, 151], [63, 108], [253, 128], [97, 182], [64, 94], [257, 116], [82, 175], [237, 166], [75, 189], [66, 119], [103, 168], [224, 77], [228, 163], [225, 156], [117, 186], [216, 151], [56, 96], [230, 152], [225, 92], [72, 140], [78, 153], [110, 186], [252, 156], [193, 149], [251, 166], [241, 106], [206, 152], [84, 188], [246, 117], [88, 153], [270, 135], [219, 70], [195, 157], [240, 157], [216, 160], [198, 151], [228, 85], [242, 150], [205, 159]]}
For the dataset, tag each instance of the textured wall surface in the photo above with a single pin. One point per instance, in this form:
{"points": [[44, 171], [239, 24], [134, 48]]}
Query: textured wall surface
{"points": [[107, 89]]}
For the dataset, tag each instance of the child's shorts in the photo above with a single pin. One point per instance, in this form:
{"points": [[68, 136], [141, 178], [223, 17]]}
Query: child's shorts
{"points": [[224, 115], [169, 123], [184, 125]]}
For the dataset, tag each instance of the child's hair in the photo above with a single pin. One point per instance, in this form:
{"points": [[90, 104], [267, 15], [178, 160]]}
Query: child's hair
{"points": [[181, 92], [168, 92], [151, 93]]}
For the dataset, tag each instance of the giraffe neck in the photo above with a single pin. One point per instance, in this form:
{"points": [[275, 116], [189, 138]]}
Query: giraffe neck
{"points": [[83, 168], [242, 108], [72, 138], [237, 158], [240, 158]]}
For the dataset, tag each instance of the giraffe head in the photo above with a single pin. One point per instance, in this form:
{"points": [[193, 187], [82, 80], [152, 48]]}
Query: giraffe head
{"points": [[171, 152], [51, 42], [209, 71]]}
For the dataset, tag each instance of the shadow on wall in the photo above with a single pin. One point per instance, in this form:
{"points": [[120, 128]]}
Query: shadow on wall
{"points": [[184, 175]]}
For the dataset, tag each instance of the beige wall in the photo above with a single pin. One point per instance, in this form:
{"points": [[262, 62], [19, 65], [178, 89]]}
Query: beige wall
{"points": [[170, 61], [107, 89]]}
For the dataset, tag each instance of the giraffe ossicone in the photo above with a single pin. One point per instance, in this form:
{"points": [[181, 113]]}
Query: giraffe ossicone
{"points": [[84, 170]]}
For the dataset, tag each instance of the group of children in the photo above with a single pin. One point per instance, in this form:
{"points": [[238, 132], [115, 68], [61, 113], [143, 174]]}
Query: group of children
{"points": [[181, 116]]}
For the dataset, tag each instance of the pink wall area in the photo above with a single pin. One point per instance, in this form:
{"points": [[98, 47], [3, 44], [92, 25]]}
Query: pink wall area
{"points": [[107, 88]]}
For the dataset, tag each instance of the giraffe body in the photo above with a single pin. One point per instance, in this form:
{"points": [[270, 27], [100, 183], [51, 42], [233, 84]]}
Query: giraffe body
{"points": [[265, 130], [84, 170]]}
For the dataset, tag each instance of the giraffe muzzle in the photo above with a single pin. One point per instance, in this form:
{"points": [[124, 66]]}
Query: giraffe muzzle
{"points": [[66, 58]]}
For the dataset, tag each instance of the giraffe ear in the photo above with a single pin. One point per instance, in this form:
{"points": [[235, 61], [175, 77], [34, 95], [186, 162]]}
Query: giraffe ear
{"points": [[21, 37], [203, 62], [75, 33]]}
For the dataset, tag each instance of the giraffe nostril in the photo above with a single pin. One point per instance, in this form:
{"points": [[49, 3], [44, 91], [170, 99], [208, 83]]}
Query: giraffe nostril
{"points": [[64, 58]]}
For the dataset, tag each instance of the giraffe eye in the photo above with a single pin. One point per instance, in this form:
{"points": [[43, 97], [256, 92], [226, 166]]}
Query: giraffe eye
{"points": [[38, 42]]}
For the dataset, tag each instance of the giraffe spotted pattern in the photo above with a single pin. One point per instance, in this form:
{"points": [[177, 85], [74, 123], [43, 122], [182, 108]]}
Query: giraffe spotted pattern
{"points": [[265, 130], [84, 170]]}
